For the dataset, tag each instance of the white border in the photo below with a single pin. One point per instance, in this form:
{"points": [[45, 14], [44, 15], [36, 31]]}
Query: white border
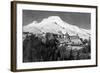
{"points": [[21, 65]]}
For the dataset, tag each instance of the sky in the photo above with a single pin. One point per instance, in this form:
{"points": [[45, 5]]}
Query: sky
{"points": [[82, 20]]}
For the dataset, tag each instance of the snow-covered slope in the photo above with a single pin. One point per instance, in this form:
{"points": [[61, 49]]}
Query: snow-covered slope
{"points": [[55, 24]]}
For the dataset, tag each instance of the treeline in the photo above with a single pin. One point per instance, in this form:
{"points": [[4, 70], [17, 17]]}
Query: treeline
{"points": [[48, 48]]}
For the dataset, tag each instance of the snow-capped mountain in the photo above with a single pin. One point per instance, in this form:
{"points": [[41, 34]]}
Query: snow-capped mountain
{"points": [[54, 24]]}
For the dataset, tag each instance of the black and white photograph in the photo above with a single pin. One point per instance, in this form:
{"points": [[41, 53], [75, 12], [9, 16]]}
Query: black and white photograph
{"points": [[56, 36], [53, 36]]}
